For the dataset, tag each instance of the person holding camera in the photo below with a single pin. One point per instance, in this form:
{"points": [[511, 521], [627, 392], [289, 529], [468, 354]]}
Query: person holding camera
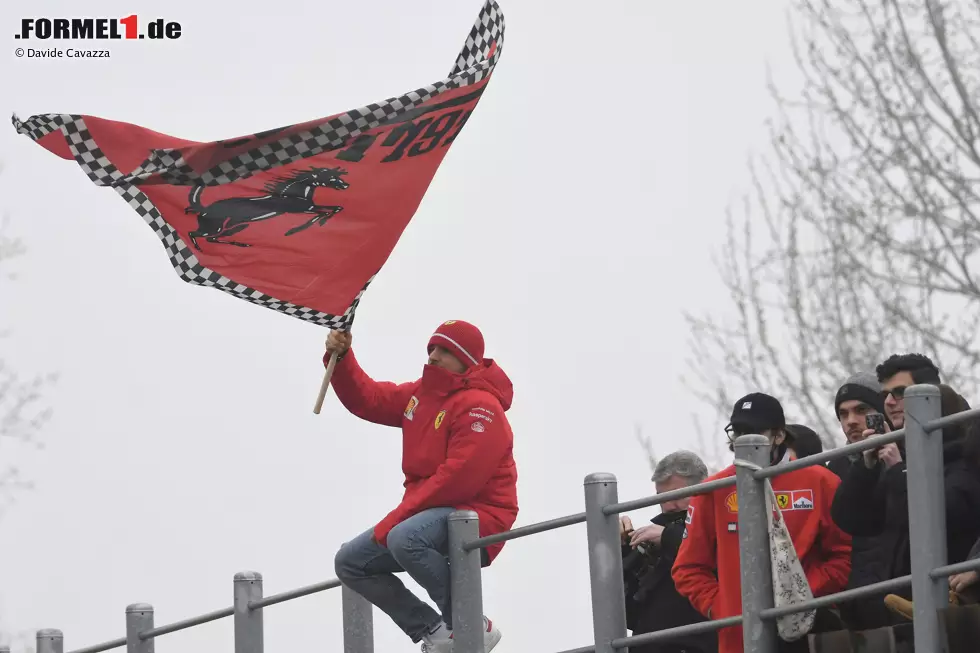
{"points": [[859, 404], [872, 500], [652, 601]]}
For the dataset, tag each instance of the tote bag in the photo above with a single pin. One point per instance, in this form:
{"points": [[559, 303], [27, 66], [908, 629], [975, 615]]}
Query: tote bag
{"points": [[789, 583]]}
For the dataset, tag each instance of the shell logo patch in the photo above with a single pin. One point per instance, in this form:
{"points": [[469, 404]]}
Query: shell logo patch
{"points": [[441, 416], [478, 427], [731, 502], [413, 403], [448, 322]]}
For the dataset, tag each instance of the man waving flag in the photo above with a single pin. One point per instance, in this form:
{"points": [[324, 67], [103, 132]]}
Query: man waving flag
{"points": [[298, 219]]}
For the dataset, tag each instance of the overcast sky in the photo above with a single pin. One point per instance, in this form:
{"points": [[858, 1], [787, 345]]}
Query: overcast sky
{"points": [[577, 215]]}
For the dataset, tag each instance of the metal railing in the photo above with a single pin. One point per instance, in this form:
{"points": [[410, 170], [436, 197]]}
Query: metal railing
{"points": [[929, 578], [247, 608]]}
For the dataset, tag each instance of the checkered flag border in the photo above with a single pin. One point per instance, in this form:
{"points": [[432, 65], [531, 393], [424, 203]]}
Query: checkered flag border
{"points": [[472, 66]]}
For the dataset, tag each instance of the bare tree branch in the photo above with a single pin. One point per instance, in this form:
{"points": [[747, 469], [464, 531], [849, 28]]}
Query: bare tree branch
{"points": [[23, 411], [860, 233]]}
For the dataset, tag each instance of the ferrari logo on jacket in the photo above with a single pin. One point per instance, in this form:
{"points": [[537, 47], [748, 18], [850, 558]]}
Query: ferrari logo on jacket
{"points": [[449, 458], [786, 500], [707, 571]]}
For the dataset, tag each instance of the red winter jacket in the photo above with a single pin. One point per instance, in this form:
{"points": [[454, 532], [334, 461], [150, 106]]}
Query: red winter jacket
{"points": [[706, 569], [456, 442]]}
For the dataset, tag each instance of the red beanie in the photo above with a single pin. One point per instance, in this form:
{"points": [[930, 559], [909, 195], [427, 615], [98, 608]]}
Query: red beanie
{"points": [[462, 339]]}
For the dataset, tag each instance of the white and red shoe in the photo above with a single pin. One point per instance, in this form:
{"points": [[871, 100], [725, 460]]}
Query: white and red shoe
{"points": [[439, 640], [491, 637]]}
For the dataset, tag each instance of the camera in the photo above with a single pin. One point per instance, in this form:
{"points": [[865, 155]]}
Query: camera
{"points": [[875, 422]]}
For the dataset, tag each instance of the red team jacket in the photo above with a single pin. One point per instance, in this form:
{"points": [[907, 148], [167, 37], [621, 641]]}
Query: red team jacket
{"points": [[456, 441], [710, 545]]}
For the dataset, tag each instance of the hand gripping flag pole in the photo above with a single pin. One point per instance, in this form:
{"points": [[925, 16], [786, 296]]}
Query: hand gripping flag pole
{"points": [[299, 219]]}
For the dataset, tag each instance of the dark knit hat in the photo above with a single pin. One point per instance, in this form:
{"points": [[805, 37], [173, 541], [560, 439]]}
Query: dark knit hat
{"points": [[462, 339], [806, 442], [757, 412], [863, 387]]}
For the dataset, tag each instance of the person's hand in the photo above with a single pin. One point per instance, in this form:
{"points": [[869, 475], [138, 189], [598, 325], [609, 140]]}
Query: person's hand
{"points": [[625, 527], [871, 456], [338, 341], [960, 582], [890, 455], [651, 533]]}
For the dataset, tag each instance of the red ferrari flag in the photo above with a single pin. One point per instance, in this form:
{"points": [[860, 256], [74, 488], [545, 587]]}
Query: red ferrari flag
{"points": [[298, 219]]}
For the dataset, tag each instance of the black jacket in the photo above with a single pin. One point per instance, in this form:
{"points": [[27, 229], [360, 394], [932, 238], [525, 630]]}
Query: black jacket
{"points": [[866, 551], [868, 556], [652, 601], [874, 502]]}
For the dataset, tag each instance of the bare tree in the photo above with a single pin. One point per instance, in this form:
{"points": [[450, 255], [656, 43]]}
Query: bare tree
{"points": [[859, 235], [712, 455], [22, 409], [23, 413]]}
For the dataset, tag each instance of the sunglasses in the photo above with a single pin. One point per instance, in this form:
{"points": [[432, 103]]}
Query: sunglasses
{"points": [[734, 433], [898, 392]]}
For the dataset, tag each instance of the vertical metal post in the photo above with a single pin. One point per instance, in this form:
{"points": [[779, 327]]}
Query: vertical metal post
{"points": [[758, 636], [605, 561], [248, 622], [358, 622], [139, 619], [466, 583], [927, 511], [50, 640]]}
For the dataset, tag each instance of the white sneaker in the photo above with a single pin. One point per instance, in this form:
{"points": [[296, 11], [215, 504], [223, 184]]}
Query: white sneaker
{"points": [[438, 641], [441, 640], [491, 636]]}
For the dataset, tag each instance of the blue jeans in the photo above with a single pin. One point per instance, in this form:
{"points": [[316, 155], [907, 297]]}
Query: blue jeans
{"points": [[418, 546]]}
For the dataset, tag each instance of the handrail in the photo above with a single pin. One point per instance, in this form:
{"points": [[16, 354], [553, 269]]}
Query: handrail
{"points": [[524, 531], [952, 420], [840, 597], [710, 626], [826, 456], [184, 624], [958, 568], [767, 472], [105, 646], [191, 622], [294, 594], [924, 465], [657, 499]]}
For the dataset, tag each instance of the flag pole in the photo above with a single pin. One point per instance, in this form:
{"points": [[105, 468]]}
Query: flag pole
{"points": [[326, 383]]}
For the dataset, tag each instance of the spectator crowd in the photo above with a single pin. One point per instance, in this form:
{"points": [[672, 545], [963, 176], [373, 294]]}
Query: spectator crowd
{"points": [[848, 518]]}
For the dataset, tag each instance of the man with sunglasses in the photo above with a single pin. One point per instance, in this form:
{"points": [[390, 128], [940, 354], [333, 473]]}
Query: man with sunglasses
{"points": [[872, 500], [895, 374], [898, 372]]}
